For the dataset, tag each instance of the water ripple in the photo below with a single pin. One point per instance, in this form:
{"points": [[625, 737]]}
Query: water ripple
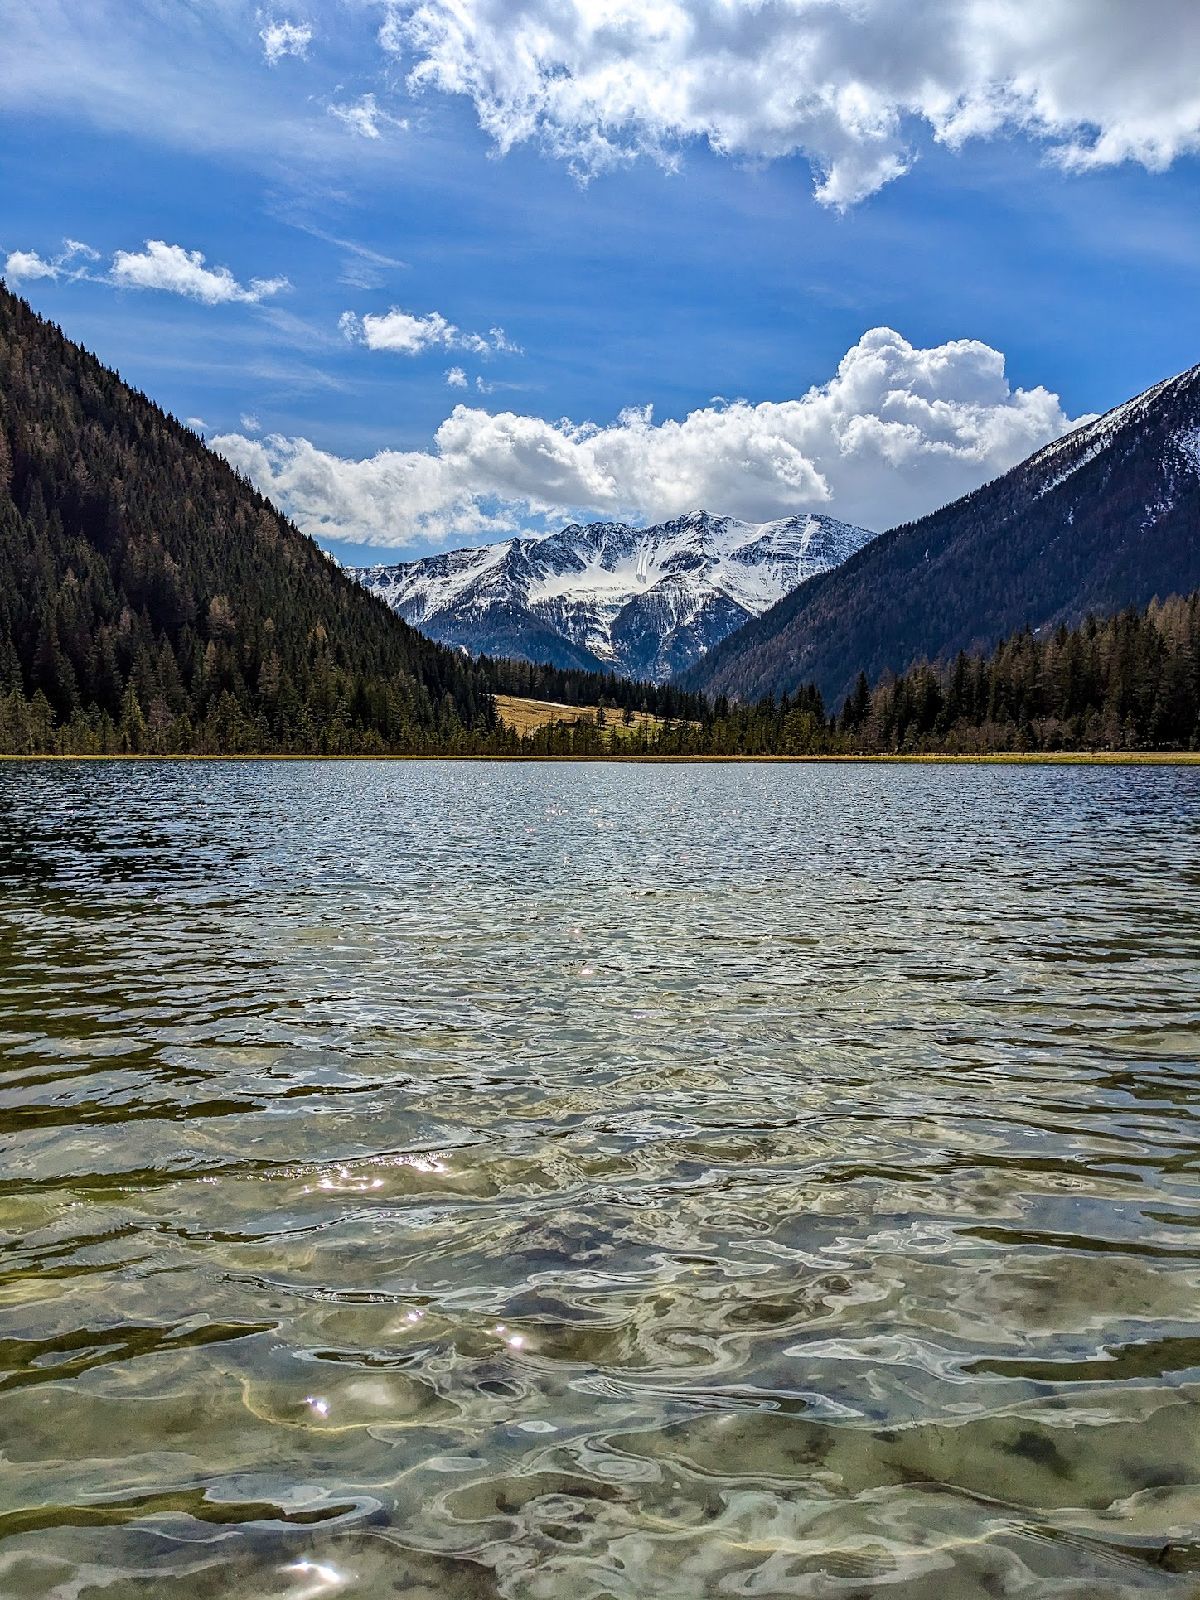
{"points": [[537, 1182]]}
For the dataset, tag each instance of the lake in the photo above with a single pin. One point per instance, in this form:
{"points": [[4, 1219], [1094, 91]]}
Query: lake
{"points": [[602, 1182]]}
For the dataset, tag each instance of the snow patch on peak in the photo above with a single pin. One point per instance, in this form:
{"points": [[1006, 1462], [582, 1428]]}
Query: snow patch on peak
{"points": [[1095, 435], [647, 601]]}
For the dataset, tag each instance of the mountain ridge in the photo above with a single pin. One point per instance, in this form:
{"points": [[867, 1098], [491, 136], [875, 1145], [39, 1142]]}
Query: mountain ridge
{"points": [[603, 596], [1106, 517]]}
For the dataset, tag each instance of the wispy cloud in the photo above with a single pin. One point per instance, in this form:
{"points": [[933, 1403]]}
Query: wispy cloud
{"points": [[177, 75], [72, 261], [302, 333], [364, 117], [281, 39], [362, 266], [290, 378]]}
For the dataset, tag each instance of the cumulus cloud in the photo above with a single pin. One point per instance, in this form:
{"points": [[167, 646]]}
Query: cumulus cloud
{"points": [[406, 334], [26, 264], [844, 82], [363, 117], [70, 262], [158, 266], [281, 39], [250, 422], [456, 378], [390, 499], [180, 271], [897, 431]]}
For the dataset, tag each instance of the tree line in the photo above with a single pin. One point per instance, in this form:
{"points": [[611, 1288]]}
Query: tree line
{"points": [[1124, 683]]}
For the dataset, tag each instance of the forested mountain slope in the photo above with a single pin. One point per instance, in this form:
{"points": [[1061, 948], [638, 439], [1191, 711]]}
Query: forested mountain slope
{"points": [[153, 600], [1105, 518], [1125, 683]]}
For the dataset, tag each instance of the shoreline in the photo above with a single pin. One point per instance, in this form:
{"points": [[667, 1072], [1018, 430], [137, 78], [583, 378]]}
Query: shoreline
{"points": [[1039, 758]]}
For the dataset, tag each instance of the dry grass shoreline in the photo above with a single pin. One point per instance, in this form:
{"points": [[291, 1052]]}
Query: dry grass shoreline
{"points": [[1041, 758], [523, 716]]}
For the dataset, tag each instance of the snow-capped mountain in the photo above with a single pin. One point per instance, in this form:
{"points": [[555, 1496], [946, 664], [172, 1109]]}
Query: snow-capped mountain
{"points": [[644, 602]]}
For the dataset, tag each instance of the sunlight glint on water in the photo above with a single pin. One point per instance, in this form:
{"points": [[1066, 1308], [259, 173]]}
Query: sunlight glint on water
{"points": [[539, 1181]]}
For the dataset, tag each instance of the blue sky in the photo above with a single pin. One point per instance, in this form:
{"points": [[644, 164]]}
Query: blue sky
{"points": [[691, 259]]}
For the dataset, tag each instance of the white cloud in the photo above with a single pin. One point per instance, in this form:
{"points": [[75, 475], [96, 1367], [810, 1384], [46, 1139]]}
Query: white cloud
{"points": [[496, 339], [407, 335], [180, 271], [456, 378], [390, 499], [197, 423], [897, 431], [250, 422], [28, 264], [844, 82], [281, 39], [158, 266], [363, 117], [25, 264]]}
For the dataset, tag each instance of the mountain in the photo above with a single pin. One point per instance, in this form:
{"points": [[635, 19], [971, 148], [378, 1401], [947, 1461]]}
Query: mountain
{"points": [[644, 602], [153, 600], [1105, 518]]}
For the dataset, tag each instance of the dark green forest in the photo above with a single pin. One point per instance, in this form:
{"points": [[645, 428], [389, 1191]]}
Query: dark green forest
{"points": [[154, 600], [1129, 682]]}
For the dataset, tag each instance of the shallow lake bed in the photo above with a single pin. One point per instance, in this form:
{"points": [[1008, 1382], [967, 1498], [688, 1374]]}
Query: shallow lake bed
{"points": [[599, 1181]]}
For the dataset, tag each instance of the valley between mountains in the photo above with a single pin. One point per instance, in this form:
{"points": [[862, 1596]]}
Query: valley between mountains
{"points": [[159, 604], [1104, 518]]}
